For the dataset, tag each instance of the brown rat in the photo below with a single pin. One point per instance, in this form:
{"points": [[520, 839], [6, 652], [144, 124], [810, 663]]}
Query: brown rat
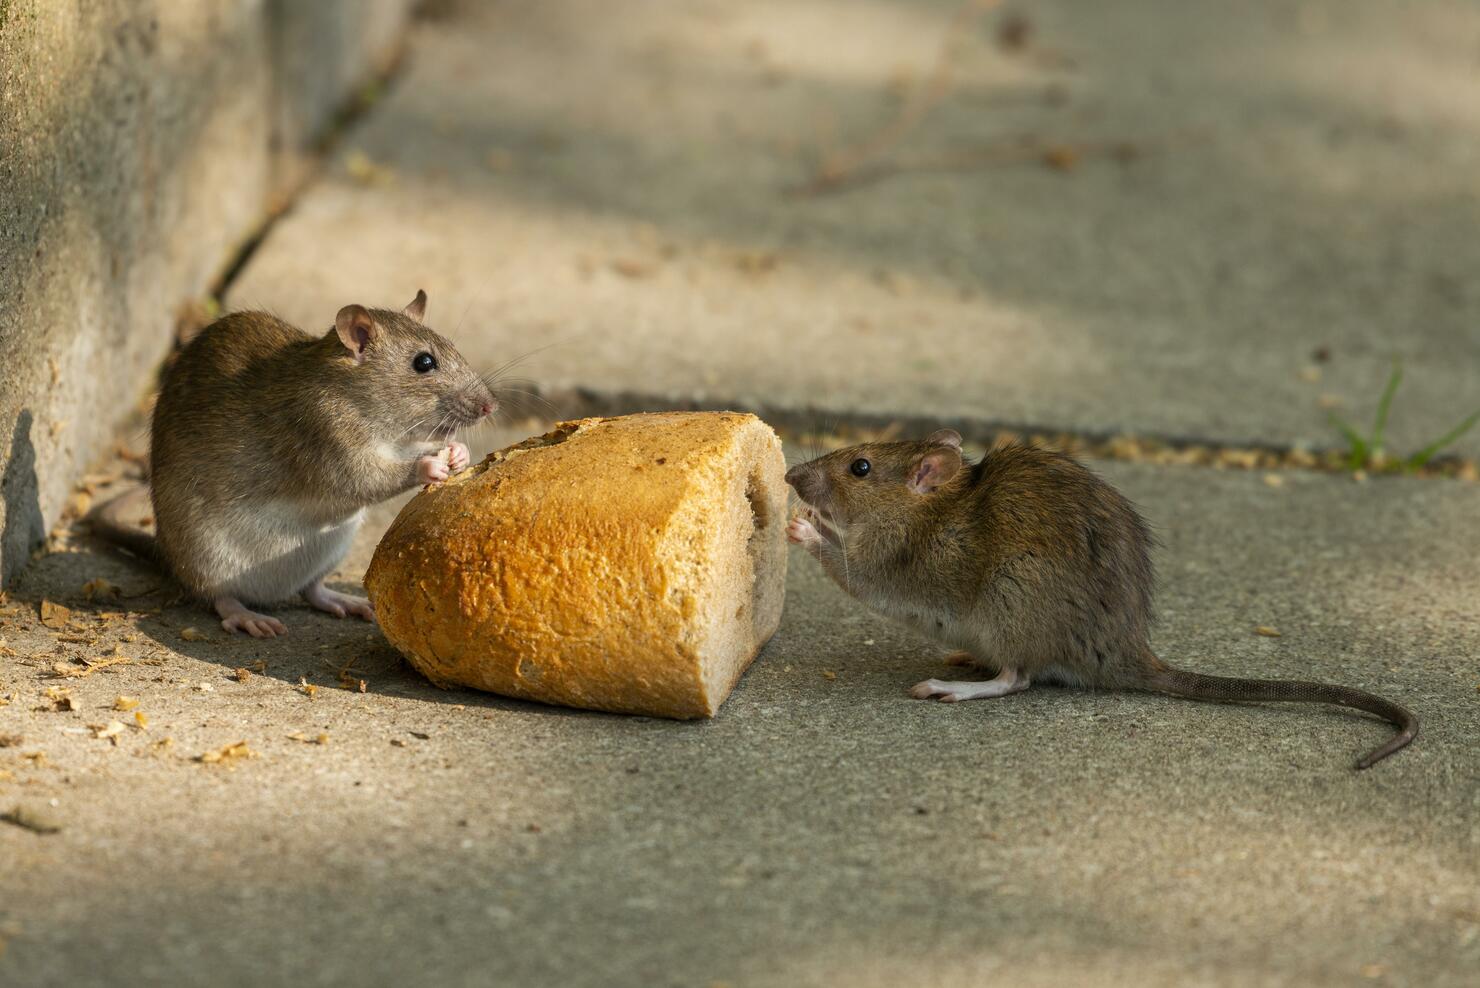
{"points": [[267, 445], [1025, 560]]}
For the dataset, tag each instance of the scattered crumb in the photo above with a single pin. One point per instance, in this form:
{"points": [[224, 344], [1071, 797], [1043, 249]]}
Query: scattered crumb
{"points": [[36, 818], [10, 740], [1274, 480], [629, 267], [306, 688], [400, 743], [1061, 157], [193, 635], [321, 738], [420, 736], [829, 674], [204, 688], [1373, 970], [227, 755], [125, 703], [1310, 375], [1267, 632], [61, 698], [141, 719], [110, 731], [242, 674]]}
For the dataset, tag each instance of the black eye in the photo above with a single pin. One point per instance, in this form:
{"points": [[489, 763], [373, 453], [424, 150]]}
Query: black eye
{"points": [[423, 362], [859, 467]]}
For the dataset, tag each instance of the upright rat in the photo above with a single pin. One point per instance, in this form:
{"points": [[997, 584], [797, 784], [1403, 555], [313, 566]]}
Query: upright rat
{"points": [[267, 445], [1025, 560]]}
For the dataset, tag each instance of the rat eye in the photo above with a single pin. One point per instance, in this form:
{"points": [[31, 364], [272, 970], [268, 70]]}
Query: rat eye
{"points": [[423, 362], [859, 467]]}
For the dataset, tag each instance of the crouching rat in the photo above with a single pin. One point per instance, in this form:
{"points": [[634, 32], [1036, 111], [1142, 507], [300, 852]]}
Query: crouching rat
{"points": [[267, 445], [1025, 560]]}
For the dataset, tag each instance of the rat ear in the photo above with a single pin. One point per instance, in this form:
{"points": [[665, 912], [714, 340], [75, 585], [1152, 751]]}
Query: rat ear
{"points": [[945, 437], [417, 307], [356, 330], [933, 469]]}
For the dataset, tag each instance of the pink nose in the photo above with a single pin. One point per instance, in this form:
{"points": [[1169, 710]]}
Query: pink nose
{"points": [[485, 409]]}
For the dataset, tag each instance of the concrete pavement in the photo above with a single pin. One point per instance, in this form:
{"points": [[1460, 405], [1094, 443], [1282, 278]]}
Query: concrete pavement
{"points": [[825, 829]]}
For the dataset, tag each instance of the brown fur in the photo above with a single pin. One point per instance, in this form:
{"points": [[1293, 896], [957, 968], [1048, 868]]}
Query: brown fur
{"points": [[257, 420], [1026, 560]]}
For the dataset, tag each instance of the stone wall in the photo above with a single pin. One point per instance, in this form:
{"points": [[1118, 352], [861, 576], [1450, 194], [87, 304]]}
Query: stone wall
{"points": [[140, 143]]}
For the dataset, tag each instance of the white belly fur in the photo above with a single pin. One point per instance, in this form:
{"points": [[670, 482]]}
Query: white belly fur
{"points": [[270, 554]]}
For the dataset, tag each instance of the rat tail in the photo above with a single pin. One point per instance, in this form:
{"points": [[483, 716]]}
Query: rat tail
{"points": [[106, 522], [1223, 689]]}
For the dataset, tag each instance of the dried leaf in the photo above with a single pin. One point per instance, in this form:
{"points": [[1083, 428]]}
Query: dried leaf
{"points": [[125, 703], [55, 615], [1266, 631]]}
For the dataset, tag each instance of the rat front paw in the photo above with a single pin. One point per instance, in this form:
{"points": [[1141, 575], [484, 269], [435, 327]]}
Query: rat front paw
{"points": [[457, 456], [431, 469], [799, 531]]}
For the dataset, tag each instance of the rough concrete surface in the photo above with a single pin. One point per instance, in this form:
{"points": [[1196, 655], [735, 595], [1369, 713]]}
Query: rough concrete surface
{"points": [[1243, 188], [825, 829]]}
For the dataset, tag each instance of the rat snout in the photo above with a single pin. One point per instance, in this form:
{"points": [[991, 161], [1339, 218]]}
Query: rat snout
{"points": [[478, 403], [803, 479]]}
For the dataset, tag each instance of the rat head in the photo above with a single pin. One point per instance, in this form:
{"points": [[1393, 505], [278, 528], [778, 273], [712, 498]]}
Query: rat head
{"points": [[422, 387], [857, 483]]}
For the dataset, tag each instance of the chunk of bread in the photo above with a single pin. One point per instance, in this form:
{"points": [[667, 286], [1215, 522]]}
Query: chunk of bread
{"points": [[633, 564]]}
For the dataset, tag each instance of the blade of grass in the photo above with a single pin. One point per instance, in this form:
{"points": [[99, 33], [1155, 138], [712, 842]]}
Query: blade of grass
{"points": [[1383, 406], [1426, 454], [1356, 456]]}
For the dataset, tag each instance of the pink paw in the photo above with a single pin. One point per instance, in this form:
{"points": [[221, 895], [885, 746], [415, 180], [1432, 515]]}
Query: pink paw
{"points": [[430, 469], [799, 531], [457, 456], [256, 625]]}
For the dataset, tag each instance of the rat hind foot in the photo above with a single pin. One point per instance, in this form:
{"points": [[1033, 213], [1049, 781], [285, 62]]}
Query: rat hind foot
{"points": [[1007, 681], [236, 616], [336, 603]]}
